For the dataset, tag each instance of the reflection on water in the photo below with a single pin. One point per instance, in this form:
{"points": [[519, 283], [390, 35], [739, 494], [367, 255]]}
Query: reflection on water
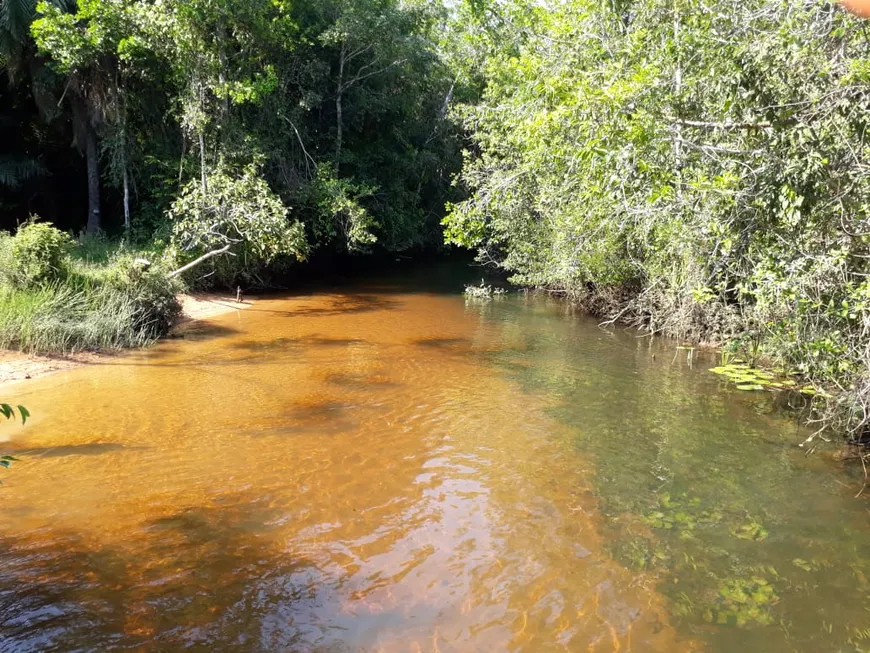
{"points": [[376, 468]]}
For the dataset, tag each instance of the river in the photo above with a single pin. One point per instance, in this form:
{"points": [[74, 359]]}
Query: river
{"points": [[386, 466]]}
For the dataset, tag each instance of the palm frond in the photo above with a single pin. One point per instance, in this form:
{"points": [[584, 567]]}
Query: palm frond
{"points": [[68, 6], [15, 19], [14, 170]]}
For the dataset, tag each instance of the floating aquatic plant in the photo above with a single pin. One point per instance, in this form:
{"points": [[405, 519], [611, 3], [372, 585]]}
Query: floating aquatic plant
{"points": [[743, 601], [751, 378]]}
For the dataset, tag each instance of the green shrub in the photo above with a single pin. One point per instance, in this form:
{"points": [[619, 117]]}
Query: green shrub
{"points": [[152, 293], [36, 254], [147, 287], [708, 193]]}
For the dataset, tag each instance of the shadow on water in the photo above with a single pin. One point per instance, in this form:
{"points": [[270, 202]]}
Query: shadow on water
{"points": [[360, 381], [316, 416], [343, 304], [313, 340], [201, 576], [319, 409], [88, 449], [202, 330], [444, 343]]}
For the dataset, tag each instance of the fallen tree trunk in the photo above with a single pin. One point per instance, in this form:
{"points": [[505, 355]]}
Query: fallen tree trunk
{"points": [[215, 252]]}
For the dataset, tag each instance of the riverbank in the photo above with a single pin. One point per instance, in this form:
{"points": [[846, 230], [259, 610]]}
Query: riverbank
{"points": [[16, 366]]}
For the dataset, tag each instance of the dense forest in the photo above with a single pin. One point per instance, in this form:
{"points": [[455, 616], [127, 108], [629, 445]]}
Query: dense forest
{"points": [[697, 170], [340, 107]]}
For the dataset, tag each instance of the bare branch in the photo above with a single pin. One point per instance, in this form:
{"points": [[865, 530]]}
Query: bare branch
{"points": [[215, 252], [719, 125]]}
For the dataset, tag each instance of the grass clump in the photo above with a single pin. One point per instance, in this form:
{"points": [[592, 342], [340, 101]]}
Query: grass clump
{"points": [[56, 299]]}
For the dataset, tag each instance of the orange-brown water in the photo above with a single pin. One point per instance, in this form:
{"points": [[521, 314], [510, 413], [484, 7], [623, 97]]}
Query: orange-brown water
{"points": [[328, 472], [348, 470]]}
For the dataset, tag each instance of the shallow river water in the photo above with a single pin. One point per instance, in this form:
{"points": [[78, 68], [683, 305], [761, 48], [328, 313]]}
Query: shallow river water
{"points": [[386, 466]]}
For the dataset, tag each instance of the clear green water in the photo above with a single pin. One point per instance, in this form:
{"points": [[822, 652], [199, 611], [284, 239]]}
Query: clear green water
{"points": [[755, 545]]}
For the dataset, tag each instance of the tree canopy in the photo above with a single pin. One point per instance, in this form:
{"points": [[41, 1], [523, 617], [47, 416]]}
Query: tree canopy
{"points": [[339, 105]]}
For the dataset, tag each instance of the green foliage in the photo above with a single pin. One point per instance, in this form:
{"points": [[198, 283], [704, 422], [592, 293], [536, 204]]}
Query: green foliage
{"points": [[8, 412], [177, 90], [92, 295], [710, 163], [35, 255], [339, 215], [240, 213]]}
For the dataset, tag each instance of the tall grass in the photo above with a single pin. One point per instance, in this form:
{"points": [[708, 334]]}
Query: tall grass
{"points": [[59, 319], [98, 298]]}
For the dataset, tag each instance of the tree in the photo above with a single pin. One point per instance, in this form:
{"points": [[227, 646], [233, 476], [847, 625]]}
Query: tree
{"points": [[86, 48], [357, 87], [237, 216], [701, 173]]}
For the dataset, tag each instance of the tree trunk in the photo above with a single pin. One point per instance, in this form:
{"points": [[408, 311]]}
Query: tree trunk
{"points": [[339, 120], [678, 89], [215, 252], [94, 224], [181, 161], [126, 180], [338, 134], [202, 163]]}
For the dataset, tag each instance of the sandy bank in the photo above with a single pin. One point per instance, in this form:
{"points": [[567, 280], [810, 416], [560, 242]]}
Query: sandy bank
{"points": [[16, 366]]}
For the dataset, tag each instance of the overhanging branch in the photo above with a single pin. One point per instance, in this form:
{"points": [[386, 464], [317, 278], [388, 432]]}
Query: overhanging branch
{"points": [[215, 252]]}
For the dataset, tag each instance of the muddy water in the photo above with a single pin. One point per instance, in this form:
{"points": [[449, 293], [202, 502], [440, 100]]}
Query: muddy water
{"points": [[387, 467]]}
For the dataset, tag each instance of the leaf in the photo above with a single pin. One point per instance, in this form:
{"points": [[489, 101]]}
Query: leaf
{"points": [[24, 414], [752, 386], [802, 564]]}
